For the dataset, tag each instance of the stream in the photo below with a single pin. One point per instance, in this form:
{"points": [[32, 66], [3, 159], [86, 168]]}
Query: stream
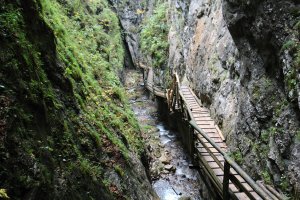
{"points": [[171, 176]]}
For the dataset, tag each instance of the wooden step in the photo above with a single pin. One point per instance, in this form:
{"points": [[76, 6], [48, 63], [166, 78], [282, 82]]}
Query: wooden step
{"points": [[206, 123], [207, 154], [202, 118], [240, 179], [203, 150], [241, 196], [213, 130], [248, 187], [232, 187], [210, 159], [189, 98], [204, 126], [232, 171], [192, 102], [221, 145], [256, 196], [213, 165], [218, 172], [216, 140], [202, 114], [212, 135]]}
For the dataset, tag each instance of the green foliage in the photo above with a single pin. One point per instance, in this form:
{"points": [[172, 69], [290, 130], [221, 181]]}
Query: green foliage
{"points": [[284, 183], [265, 136], [266, 176], [290, 44], [237, 156], [3, 194], [271, 131], [60, 71], [119, 170], [101, 42], [154, 36], [279, 108], [264, 85], [11, 20]]}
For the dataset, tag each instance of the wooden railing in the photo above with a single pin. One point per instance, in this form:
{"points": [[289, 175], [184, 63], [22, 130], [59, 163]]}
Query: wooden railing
{"points": [[156, 90], [176, 101], [230, 163], [173, 94], [176, 98]]}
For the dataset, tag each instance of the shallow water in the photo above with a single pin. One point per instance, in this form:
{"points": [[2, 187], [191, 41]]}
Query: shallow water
{"points": [[184, 181], [181, 181]]}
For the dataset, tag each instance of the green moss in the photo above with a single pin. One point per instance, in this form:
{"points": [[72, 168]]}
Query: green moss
{"points": [[237, 156], [266, 176], [261, 149], [290, 44], [154, 36], [65, 98], [146, 128], [263, 86], [265, 135], [279, 108], [119, 170], [99, 29], [284, 183]]}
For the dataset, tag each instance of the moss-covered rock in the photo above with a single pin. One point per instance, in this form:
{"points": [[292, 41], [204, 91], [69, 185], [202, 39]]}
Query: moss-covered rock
{"points": [[65, 120]]}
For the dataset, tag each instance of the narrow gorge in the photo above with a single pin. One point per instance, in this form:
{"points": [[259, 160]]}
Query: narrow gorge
{"points": [[78, 119]]}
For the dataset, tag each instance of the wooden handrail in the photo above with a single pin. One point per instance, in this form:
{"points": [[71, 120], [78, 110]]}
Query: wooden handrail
{"points": [[232, 163]]}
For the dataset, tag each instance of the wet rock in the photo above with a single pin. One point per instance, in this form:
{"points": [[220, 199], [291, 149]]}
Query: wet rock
{"points": [[170, 167], [157, 153], [164, 159], [165, 172]]}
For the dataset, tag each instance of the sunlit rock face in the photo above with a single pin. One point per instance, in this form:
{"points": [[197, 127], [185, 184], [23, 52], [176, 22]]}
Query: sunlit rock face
{"points": [[203, 51], [231, 54]]}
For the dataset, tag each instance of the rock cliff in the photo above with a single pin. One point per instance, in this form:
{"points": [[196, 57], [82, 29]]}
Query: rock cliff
{"points": [[232, 54], [242, 60]]}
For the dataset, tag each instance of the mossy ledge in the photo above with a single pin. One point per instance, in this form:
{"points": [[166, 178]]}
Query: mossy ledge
{"points": [[66, 125]]}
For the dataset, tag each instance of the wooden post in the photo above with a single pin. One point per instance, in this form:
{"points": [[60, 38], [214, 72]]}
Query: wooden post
{"points": [[174, 98], [192, 144], [226, 181]]}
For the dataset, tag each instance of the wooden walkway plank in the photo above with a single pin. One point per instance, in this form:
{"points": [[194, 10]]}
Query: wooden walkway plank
{"points": [[242, 196]]}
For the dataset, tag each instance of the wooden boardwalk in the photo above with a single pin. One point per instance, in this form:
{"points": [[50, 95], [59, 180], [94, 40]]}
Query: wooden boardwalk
{"points": [[151, 87], [203, 119], [207, 145]]}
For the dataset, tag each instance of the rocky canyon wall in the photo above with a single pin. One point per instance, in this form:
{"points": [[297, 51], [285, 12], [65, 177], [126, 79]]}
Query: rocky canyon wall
{"points": [[239, 58], [233, 55]]}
